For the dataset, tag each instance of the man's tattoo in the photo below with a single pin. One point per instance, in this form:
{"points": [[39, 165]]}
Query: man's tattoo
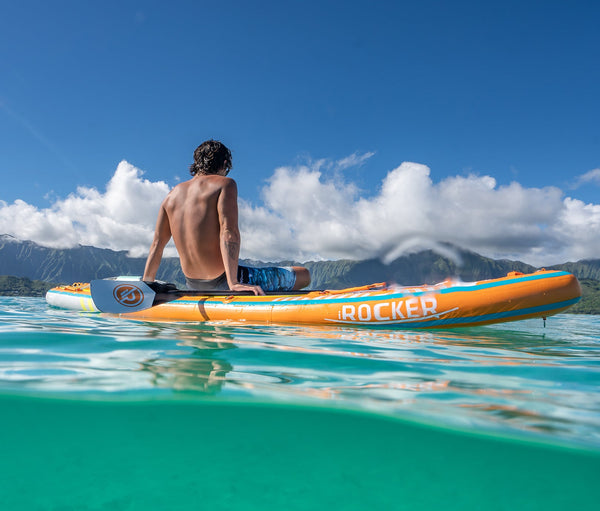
{"points": [[233, 249]]}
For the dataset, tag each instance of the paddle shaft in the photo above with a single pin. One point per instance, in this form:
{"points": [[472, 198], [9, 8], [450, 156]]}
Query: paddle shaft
{"points": [[117, 296], [194, 292]]}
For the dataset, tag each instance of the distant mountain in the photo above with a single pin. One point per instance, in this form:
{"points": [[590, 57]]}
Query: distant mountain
{"points": [[79, 264], [590, 298], [82, 264], [584, 269], [425, 267]]}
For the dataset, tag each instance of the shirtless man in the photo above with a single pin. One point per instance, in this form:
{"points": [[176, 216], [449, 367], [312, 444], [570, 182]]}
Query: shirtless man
{"points": [[202, 217]]}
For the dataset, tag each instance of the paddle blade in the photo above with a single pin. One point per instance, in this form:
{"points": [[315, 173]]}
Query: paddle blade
{"points": [[118, 296]]}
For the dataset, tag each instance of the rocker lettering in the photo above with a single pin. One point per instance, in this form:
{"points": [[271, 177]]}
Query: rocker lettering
{"points": [[413, 307]]}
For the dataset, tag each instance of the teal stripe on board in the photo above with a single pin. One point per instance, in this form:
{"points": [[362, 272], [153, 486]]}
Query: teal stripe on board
{"points": [[503, 315], [465, 320], [399, 294]]}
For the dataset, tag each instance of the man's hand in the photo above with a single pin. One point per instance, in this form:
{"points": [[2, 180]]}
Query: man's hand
{"points": [[257, 290]]}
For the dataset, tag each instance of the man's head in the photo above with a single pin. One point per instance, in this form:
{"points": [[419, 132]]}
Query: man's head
{"points": [[211, 157]]}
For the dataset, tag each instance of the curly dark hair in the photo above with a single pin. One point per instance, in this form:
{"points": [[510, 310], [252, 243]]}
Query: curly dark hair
{"points": [[210, 157]]}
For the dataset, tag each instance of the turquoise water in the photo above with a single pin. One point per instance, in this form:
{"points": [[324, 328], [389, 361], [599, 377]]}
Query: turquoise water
{"points": [[102, 413]]}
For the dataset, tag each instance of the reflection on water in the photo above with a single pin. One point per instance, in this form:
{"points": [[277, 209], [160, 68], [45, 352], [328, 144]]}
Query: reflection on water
{"points": [[518, 376]]}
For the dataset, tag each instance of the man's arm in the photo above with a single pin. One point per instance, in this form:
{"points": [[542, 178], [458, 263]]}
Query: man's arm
{"points": [[230, 237], [162, 235]]}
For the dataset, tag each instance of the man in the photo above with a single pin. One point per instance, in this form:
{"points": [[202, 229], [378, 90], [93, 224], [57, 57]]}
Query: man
{"points": [[202, 217]]}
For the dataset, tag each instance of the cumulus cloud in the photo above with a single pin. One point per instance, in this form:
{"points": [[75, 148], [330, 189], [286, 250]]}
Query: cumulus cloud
{"points": [[309, 216], [310, 212], [121, 218]]}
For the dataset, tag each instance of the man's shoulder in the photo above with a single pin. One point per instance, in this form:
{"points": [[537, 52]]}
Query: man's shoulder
{"points": [[209, 177], [206, 184], [219, 181], [178, 188]]}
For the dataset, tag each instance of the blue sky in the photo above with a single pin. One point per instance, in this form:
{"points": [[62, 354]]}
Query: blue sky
{"points": [[507, 90]]}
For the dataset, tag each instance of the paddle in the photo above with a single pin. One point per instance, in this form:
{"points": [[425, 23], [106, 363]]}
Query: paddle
{"points": [[120, 296]]}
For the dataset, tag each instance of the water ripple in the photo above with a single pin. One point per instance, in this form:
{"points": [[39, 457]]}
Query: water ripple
{"points": [[513, 377]]}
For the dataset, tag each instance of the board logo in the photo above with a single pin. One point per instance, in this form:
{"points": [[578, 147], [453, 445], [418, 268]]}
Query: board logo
{"points": [[128, 295]]}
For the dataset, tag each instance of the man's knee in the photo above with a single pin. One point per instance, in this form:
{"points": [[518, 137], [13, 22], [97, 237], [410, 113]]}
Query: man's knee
{"points": [[302, 277]]}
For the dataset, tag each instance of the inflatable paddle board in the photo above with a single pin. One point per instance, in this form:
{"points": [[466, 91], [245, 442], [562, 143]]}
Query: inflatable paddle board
{"points": [[448, 304]]}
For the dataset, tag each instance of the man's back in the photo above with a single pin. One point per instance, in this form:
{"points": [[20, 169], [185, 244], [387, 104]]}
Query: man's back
{"points": [[196, 209], [201, 215]]}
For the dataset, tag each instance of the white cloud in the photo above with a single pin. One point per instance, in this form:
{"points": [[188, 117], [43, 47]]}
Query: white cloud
{"points": [[354, 160], [577, 232], [122, 218], [317, 218], [305, 215], [592, 176]]}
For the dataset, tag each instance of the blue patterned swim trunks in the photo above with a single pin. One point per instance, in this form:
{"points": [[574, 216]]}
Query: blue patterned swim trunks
{"points": [[270, 278]]}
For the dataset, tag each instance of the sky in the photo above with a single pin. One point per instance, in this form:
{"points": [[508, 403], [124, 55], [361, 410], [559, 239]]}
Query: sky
{"points": [[358, 129]]}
